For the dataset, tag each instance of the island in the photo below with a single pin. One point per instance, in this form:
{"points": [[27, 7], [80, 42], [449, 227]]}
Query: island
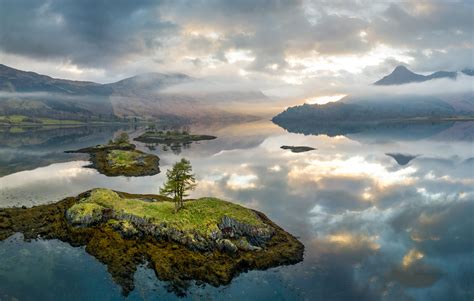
{"points": [[208, 240], [298, 149], [402, 159], [121, 158], [171, 137]]}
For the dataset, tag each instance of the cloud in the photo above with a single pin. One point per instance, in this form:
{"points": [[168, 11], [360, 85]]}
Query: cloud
{"points": [[87, 33], [289, 47]]}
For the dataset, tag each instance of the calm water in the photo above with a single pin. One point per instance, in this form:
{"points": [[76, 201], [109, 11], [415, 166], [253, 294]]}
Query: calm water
{"points": [[373, 229]]}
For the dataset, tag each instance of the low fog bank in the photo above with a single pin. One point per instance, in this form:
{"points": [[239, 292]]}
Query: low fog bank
{"points": [[437, 87]]}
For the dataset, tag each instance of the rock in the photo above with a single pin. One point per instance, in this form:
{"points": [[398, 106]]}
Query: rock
{"points": [[125, 228], [244, 245], [83, 214], [227, 246], [232, 228]]}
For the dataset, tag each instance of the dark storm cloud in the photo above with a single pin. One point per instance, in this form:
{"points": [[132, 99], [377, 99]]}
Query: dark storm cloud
{"points": [[89, 33], [440, 23]]}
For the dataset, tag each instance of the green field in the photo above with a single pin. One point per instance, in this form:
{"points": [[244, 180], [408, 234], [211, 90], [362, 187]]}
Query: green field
{"points": [[12, 120]]}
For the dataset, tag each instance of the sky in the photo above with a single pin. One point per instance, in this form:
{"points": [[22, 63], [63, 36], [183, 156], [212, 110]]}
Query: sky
{"points": [[283, 47]]}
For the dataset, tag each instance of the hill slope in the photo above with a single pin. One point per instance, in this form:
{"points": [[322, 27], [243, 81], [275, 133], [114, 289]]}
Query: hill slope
{"points": [[142, 96]]}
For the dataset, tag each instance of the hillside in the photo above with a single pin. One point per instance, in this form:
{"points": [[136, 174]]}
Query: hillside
{"points": [[143, 97], [357, 114]]}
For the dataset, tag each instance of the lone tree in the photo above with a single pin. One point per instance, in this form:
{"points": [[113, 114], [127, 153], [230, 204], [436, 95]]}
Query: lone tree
{"points": [[122, 138], [180, 180]]}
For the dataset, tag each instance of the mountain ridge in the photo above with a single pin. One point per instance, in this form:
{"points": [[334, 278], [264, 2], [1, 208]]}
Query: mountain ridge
{"points": [[402, 75], [141, 96]]}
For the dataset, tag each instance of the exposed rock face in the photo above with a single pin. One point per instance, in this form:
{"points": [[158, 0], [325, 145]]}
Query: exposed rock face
{"points": [[231, 228]]}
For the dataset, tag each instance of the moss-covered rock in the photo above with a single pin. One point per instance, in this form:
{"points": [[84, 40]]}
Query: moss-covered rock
{"points": [[121, 242], [121, 160], [85, 214]]}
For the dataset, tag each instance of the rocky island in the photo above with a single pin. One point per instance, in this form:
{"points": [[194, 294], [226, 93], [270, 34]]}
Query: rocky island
{"points": [[170, 137], [298, 149], [120, 158], [208, 240]]}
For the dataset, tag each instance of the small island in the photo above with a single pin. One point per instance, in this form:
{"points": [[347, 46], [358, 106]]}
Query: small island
{"points": [[171, 137], [120, 158], [298, 149], [207, 240]]}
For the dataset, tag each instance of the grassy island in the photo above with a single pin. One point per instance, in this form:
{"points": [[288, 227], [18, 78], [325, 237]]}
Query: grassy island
{"points": [[120, 158], [170, 137], [208, 240]]}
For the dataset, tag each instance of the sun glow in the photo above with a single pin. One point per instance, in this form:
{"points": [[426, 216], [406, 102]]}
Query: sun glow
{"points": [[234, 56], [350, 63], [241, 182], [354, 167], [347, 239], [320, 100]]}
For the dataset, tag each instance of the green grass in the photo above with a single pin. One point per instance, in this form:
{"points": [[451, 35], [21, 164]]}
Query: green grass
{"points": [[25, 120], [12, 118], [202, 215], [78, 211], [123, 157]]}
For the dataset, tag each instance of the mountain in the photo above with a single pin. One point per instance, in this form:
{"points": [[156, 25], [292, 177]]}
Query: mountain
{"points": [[14, 80], [354, 114], [468, 71], [402, 75], [143, 96]]}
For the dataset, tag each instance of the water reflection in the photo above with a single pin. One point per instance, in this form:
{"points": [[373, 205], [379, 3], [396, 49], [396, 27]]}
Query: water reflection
{"points": [[28, 148], [373, 229]]}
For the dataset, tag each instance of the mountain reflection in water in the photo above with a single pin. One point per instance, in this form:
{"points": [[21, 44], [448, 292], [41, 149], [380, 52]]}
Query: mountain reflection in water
{"points": [[373, 229]]}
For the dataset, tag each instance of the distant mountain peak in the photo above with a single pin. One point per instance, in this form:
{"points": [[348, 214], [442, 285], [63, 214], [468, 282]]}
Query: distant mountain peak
{"points": [[401, 69], [402, 75]]}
